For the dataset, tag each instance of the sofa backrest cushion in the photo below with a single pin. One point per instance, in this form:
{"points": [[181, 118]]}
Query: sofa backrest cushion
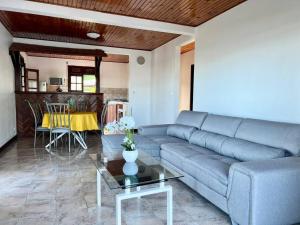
{"points": [[208, 140], [248, 151], [180, 131], [274, 134], [191, 118], [224, 125]]}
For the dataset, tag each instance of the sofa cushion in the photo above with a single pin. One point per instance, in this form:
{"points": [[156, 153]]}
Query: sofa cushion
{"points": [[164, 139], [177, 153], [180, 131], [191, 118], [278, 135], [211, 170], [208, 140], [204, 165], [249, 151], [199, 138], [224, 125]]}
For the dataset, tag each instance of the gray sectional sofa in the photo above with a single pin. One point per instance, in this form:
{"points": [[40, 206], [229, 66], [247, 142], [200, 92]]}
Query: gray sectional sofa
{"points": [[248, 168]]}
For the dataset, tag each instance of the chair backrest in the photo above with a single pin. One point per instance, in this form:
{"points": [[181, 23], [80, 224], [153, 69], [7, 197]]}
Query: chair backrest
{"points": [[36, 112], [81, 106], [40, 110], [59, 115]]}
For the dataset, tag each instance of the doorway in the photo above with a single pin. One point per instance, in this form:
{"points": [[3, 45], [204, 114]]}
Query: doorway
{"points": [[187, 77], [192, 87]]}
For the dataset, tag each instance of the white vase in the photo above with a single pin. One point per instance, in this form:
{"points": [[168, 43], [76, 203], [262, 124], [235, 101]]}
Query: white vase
{"points": [[130, 169], [130, 156]]}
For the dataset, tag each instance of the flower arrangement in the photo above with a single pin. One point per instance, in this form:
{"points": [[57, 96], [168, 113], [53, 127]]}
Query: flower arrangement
{"points": [[126, 125]]}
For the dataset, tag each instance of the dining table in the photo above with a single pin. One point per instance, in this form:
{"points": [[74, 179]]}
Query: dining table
{"points": [[79, 123]]}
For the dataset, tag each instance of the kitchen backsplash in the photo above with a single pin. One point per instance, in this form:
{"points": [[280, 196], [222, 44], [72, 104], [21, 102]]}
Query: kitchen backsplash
{"points": [[114, 93]]}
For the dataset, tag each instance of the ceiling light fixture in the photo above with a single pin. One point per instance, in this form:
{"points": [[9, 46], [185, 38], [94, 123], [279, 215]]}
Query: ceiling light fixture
{"points": [[93, 35]]}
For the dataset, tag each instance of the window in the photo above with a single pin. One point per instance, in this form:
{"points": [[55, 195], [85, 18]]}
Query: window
{"points": [[82, 79], [76, 83], [89, 83]]}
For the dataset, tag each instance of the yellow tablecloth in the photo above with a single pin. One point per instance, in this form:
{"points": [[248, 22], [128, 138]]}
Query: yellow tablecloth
{"points": [[80, 121]]}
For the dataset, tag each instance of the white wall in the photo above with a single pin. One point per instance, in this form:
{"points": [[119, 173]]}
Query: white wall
{"points": [[7, 96], [140, 88], [248, 62], [112, 75], [165, 81], [186, 61]]}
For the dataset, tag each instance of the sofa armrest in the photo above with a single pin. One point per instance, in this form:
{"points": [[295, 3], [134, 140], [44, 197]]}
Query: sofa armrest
{"points": [[153, 129], [265, 192]]}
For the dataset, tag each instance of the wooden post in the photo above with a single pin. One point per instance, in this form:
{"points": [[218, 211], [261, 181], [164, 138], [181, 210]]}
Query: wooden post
{"points": [[18, 63], [98, 60]]}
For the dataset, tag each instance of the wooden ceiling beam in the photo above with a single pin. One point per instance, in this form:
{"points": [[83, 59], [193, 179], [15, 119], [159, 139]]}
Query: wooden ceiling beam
{"points": [[94, 17], [19, 47], [115, 58]]}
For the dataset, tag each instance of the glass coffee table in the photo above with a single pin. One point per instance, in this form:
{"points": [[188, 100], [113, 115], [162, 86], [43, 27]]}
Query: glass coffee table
{"points": [[134, 179]]}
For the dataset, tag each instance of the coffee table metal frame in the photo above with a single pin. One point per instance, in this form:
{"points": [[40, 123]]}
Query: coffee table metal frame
{"points": [[129, 194]]}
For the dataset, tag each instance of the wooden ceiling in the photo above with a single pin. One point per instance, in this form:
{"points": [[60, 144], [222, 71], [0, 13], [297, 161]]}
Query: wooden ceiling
{"points": [[109, 58], [184, 12], [23, 25]]}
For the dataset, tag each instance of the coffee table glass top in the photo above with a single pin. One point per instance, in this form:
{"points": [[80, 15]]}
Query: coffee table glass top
{"points": [[119, 174]]}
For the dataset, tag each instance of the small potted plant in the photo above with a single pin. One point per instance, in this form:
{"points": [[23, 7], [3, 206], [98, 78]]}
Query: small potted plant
{"points": [[126, 126]]}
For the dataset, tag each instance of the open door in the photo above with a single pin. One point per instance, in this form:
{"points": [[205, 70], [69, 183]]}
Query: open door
{"points": [[31, 80]]}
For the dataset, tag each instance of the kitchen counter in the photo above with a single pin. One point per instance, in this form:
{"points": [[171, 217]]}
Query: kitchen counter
{"points": [[25, 120]]}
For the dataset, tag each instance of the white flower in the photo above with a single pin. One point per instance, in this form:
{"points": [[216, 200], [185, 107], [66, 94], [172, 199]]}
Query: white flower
{"points": [[127, 122], [125, 139], [112, 127], [121, 127]]}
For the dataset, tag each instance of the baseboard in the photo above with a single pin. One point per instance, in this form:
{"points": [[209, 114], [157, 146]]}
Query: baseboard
{"points": [[4, 147]]}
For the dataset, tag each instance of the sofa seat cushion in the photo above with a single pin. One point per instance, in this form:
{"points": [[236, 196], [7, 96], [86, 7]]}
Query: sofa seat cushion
{"points": [[177, 153], [210, 170], [164, 139], [204, 165], [180, 131]]}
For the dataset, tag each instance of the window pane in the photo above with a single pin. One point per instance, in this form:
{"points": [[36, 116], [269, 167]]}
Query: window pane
{"points": [[89, 80], [79, 80], [32, 84], [32, 75], [73, 79], [79, 87], [89, 83], [73, 87]]}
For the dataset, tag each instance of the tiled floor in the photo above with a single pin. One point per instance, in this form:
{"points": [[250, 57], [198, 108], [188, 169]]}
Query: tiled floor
{"points": [[37, 188]]}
